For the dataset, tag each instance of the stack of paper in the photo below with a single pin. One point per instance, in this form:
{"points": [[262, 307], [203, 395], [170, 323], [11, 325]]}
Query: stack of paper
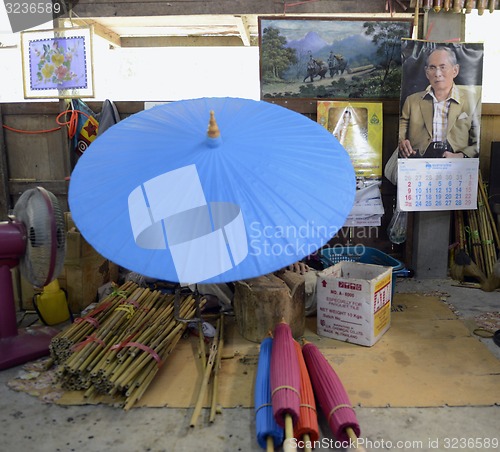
{"points": [[368, 208]]}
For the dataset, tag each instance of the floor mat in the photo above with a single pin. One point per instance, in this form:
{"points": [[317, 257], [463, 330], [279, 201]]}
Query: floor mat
{"points": [[427, 358]]}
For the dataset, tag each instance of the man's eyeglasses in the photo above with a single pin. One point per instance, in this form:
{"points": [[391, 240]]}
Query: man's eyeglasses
{"points": [[444, 68]]}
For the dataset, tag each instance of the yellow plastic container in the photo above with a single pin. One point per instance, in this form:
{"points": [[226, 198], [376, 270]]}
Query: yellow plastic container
{"points": [[51, 304]]}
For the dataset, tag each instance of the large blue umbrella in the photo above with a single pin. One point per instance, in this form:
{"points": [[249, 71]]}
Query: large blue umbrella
{"points": [[163, 196]]}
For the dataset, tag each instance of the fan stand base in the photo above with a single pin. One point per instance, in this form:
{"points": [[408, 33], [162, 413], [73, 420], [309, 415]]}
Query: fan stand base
{"points": [[29, 344]]}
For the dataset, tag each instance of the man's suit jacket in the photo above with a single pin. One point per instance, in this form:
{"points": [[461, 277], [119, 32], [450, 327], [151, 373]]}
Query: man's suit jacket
{"points": [[415, 123]]}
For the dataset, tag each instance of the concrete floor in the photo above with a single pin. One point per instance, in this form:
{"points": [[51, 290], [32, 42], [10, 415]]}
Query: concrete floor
{"points": [[27, 424]]}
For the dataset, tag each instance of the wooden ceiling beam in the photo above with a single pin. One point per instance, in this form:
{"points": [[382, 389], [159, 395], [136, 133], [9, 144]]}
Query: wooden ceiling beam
{"points": [[181, 41], [124, 8], [105, 33], [242, 24]]}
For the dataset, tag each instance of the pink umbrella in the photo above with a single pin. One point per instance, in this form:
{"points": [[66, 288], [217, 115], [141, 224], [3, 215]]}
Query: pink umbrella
{"points": [[285, 379], [331, 395]]}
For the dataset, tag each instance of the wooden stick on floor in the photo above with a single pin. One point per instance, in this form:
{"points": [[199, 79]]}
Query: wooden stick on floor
{"points": [[215, 381], [206, 378]]}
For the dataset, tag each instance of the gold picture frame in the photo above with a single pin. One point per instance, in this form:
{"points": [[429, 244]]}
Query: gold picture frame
{"points": [[340, 58]]}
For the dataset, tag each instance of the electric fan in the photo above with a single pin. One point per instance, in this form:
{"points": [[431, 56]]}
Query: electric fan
{"points": [[35, 239]]}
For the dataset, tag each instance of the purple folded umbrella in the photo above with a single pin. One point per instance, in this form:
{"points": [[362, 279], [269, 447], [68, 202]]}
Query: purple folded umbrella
{"points": [[285, 379], [331, 395]]}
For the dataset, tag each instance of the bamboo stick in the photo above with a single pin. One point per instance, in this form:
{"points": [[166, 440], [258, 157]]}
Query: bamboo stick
{"points": [[458, 5], [486, 241], [438, 5], [484, 197], [215, 380], [481, 6], [206, 377], [476, 247], [201, 342]]}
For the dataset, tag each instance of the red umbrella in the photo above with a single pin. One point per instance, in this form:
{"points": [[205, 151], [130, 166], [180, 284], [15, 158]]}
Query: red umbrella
{"points": [[285, 379], [307, 428], [331, 395]]}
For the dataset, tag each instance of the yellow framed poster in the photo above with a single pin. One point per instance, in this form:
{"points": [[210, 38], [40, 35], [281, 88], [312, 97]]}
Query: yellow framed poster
{"points": [[359, 128]]}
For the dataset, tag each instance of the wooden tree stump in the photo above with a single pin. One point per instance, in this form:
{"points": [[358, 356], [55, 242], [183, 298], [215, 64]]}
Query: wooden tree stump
{"points": [[260, 303]]}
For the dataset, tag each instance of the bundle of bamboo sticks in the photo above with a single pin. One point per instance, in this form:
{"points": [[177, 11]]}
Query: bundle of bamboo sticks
{"points": [[118, 347], [477, 235], [482, 235], [459, 6]]}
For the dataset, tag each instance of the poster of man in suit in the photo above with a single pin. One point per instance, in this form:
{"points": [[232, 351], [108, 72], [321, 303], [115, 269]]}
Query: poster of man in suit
{"points": [[440, 109]]}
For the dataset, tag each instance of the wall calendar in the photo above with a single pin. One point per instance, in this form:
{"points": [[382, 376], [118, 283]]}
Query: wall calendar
{"points": [[437, 184]]}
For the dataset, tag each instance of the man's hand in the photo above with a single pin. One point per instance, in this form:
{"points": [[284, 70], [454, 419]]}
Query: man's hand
{"points": [[453, 155], [405, 149], [298, 267]]}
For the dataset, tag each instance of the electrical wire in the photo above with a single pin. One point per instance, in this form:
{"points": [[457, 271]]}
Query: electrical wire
{"points": [[71, 123]]}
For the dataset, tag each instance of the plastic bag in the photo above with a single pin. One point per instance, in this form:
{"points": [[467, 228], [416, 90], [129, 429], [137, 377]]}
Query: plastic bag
{"points": [[398, 226]]}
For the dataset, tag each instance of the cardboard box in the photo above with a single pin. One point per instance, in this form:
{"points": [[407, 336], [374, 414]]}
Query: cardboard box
{"points": [[354, 302]]}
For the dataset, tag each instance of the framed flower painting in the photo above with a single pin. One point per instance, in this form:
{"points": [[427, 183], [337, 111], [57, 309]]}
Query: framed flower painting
{"points": [[57, 63]]}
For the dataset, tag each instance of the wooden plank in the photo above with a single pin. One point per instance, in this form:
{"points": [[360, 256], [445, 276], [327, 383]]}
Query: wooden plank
{"points": [[106, 8], [182, 41], [30, 108], [34, 155], [99, 30], [129, 107], [58, 187], [243, 28], [4, 173]]}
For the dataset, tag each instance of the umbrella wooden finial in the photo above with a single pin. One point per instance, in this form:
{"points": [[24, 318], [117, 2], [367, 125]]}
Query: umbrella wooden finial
{"points": [[213, 128]]}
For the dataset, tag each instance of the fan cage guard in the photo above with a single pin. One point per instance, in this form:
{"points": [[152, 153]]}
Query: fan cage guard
{"points": [[40, 212]]}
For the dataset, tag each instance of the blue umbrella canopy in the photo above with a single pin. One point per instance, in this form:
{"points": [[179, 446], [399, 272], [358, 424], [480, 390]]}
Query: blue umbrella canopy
{"points": [[211, 190]]}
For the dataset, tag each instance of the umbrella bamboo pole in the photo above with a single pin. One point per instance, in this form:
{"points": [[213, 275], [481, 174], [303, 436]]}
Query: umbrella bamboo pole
{"points": [[354, 438], [287, 444], [307, 441], [206, 377]]}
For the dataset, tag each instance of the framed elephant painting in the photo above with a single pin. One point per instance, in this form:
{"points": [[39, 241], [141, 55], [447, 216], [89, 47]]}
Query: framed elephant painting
{"points": [[331, 58]]}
